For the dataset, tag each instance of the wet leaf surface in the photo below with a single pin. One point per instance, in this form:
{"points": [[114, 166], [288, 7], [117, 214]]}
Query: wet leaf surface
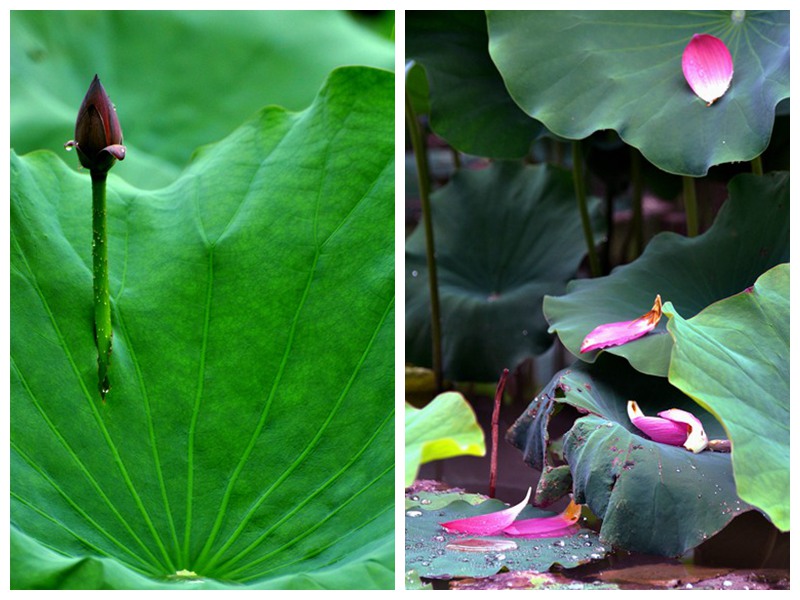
{"points": [[431, 551], [630, 482]]}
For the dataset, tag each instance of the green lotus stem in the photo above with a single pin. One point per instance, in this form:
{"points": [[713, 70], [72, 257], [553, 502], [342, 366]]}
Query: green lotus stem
{"points": [[580, 193], [424, 189], [98, 142], [690, 204], [102, 306], [636, 200], [756, 165]]}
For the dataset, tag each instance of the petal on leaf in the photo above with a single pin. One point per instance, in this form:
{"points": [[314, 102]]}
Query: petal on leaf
{"points": [[616, 334], [707, 67], [674, 427], [487, 524], [697, 441], [564, 524]]}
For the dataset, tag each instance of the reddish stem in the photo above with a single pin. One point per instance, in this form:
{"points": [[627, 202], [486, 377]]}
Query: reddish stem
{"points": [[498, 396]]}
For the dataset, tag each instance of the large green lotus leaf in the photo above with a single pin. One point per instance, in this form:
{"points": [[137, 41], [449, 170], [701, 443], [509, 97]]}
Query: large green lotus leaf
{"points": [[733, 359], [470, 106], [652, 498], [583, 71], [444, 428], [179, 78], [248, 434], [749, 235], [505, 236], [429, 551]]}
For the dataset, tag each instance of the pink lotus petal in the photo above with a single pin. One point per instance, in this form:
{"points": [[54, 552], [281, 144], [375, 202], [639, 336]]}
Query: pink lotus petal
{"points": [[697, 441], [616, 334], [707, 67], [675, 427], [487, 524], [557, 526]]}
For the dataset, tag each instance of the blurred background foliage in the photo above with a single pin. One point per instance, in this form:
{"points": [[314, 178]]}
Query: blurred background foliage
{"points": [[179, 79]]}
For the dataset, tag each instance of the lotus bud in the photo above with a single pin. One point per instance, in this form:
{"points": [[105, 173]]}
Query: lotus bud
{"points": [[707, 67], [98, 135], [616, 334]]}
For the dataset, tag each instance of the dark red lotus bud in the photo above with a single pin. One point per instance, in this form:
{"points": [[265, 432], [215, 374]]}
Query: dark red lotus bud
{"points": [[98, 136]]}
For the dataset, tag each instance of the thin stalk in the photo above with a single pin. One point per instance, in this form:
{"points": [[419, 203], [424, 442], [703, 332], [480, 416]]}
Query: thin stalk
{"points": [[756, 165], [690, 205], [580, 193], [456, 159], [636, 200], [102, 306], [424, 191], [498, 397]]}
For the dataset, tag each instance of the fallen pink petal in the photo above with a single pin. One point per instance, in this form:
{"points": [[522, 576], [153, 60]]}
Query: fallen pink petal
{"points": [[622, 332], [487, 524], [674, 427], [560, 525], [707, 67]]}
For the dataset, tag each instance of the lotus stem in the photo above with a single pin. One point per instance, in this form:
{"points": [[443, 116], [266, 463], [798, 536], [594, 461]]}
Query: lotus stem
{"points": [[690, 205], [636, 200], [580, 193], [102, 306], [756, 165], [498, 397], [424, 190]]}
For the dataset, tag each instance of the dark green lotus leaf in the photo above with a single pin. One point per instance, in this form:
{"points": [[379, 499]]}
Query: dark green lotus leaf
{"points": [[505, 236], [749, 235], [248, 436], [652, 498], [733, 359], [427, 543], [179, 79], [555, 483], [583, 71], [470, 106]]}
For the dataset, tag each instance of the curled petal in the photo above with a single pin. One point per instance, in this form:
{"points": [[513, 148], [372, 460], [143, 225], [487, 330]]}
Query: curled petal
{"points": [[487, 524], [117, 150], [696, 441], [707, 67], [563, 524], [674, 427], [616, 334]]}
